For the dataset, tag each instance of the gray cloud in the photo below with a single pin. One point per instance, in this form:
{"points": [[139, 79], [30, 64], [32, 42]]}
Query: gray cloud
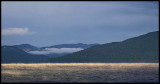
{"points": [[72, 14], [16, 31]]}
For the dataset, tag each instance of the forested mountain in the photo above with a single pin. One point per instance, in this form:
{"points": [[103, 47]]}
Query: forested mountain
{"points": [[144, 48], [11, 54], [20, 53]]}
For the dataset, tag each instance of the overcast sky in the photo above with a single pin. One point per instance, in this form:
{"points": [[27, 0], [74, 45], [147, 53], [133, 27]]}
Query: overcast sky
{"points": [[51, 23]]}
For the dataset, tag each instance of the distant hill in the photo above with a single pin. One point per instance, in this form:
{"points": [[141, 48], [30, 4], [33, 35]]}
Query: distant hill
{"points": [[78, 45], [144, 48], [12, 54], [27, 47]]}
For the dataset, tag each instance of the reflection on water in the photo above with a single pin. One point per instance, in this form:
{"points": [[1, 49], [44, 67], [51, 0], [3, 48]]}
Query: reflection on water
{"points": [[81, 72]]}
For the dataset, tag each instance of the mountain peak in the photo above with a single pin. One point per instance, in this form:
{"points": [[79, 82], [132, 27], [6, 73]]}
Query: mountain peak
{"points": [[26, 47]]}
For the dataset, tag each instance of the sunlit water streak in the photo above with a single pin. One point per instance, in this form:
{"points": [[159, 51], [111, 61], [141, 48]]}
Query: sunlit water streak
{"points": [[80, 72]]}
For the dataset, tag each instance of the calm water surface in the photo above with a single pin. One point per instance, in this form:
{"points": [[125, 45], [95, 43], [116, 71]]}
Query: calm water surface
{"points": [[81, 72]]}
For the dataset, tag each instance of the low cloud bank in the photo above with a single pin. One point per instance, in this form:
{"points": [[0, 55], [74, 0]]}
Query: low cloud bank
{"points": [[55, 50]]}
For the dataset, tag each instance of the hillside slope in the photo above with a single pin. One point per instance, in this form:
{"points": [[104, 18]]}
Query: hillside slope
{"points": [[11, 54], [144, 48]]}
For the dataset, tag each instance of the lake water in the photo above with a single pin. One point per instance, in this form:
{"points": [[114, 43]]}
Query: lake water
{"points": [[81, 72]]}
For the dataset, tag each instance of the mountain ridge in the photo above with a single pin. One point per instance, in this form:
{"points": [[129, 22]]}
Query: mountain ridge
{"points": [[49, 51], [143, 48]]}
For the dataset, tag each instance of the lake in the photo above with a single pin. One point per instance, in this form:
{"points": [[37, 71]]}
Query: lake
{"points": [[80, 73]]}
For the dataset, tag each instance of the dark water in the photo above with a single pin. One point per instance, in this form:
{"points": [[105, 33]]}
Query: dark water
{"points": [[95, 73]]}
